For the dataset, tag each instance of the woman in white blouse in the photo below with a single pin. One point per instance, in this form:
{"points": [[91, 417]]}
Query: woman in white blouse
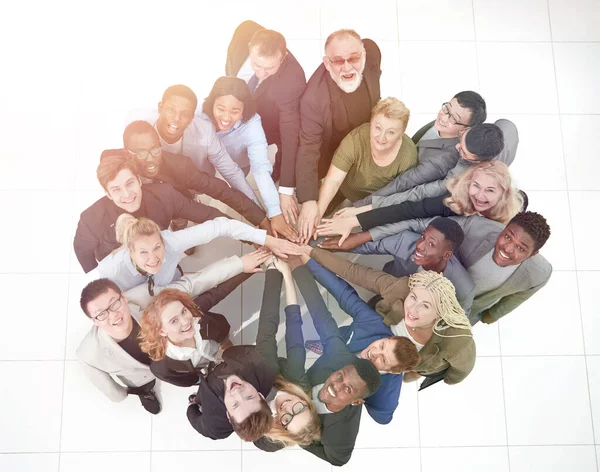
{"points": [[151, 255]]}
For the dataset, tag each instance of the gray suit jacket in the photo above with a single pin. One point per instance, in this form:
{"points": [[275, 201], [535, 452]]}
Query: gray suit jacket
{"points": [[480, 237], [436, 188], [203, 147], [402, 246], [102, 357]]}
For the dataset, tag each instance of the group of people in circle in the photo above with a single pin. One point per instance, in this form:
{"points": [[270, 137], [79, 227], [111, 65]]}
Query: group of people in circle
{"points": [[464, 246]]}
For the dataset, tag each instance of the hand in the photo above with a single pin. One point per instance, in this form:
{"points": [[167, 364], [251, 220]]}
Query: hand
{"points": [[281, 247], [266, 225], [289, 207], [352, 242], [252, 261], [342, 226], [283, 267], [192, 399], [295, 261], [281, 227], [351, 211], [308, 220]]}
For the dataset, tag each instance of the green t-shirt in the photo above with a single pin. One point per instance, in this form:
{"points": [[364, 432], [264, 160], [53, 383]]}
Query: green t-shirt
{"points": [[364, 176]]}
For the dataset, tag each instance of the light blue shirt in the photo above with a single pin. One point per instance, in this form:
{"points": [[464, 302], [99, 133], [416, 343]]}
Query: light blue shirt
{"points": [[119, 267], [247, 145]]}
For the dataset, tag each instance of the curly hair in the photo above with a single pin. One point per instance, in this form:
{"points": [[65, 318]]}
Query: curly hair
{"points": [[151, 341], [510, 201], [393, 109], [444, 298], [535, 225], [308, 435]]}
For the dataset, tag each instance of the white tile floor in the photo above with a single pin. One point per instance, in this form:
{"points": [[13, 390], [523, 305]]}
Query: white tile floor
{"points": [[72, 71]]}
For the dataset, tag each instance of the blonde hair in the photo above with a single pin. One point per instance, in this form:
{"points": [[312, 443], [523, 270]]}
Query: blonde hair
{"points": [[393, 109], [128, 228], [510, 202], [444, 299], [151, 341], [308, 435]]}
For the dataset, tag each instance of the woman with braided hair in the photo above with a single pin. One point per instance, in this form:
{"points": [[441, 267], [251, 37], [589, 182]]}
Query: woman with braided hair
{"points": [[423, 308]]}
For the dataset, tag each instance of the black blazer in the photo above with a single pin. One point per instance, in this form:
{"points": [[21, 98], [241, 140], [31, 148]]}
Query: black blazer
{"points": [[277, 99], [257, 365], [95, 237], [320, 106]]}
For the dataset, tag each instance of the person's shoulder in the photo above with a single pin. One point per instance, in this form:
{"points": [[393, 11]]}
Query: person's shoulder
{"points": [[407, 144], [96, 209], [316, 81], [89, 346], [538, 266], [372, 50], [158, 190]]}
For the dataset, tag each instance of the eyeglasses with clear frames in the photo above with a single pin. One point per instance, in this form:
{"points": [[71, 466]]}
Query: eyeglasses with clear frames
{"points": [[353, 60], [287, 418], [143, 155], [446, 108], [114, 306]]}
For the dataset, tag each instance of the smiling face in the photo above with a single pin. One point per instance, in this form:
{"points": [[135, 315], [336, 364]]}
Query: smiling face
{"points": [[284, 405], [175, 114], [148, 253], [419, 310], [450, 127], [176, 323], [342, 388], [119, 323], [431, 248], [241, 398], [381, 354], [484, 192], [385, 133], [126, 191], [227, 110], [345, 60], [149, 144], [513, 246]]}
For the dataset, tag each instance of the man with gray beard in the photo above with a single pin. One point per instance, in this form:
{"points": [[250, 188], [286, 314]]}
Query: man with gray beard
{"points": [[338, 98]]}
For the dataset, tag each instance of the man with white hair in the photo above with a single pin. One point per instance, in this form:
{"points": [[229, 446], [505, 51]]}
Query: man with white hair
{"points": [[339, 97]]}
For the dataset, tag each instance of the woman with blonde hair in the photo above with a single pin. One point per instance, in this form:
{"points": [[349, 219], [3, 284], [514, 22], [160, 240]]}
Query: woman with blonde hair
{"points": [[149, 255], [485, 189], [368, 158], [423, 308]]}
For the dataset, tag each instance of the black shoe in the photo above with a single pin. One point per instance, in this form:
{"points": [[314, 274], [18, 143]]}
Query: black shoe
{"points": [[150, 402]]}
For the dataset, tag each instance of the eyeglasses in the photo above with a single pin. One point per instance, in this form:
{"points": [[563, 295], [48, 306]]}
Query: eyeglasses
{"points": [[446, 108], [143, 155], [287, 418], [114, 306], [353, 60]]}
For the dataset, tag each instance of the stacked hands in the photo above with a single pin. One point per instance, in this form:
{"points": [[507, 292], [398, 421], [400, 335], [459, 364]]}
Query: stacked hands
{"points": [[463, 247]]}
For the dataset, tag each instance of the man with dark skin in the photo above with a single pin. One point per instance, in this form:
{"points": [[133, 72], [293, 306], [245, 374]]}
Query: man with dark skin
{"points": [[142, 142]]}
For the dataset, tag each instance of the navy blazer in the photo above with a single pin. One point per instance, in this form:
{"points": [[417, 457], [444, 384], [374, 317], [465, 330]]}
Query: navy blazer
{"points": [[367, 326]]}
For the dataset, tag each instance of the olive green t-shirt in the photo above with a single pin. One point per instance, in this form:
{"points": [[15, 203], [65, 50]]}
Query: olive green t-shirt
{"points": [[364, 176]]}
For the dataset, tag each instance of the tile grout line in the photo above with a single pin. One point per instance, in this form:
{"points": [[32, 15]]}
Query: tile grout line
{"points": [[572, 237]]}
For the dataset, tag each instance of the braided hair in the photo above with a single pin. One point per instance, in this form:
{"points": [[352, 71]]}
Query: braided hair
{"points": [[444, 299]]}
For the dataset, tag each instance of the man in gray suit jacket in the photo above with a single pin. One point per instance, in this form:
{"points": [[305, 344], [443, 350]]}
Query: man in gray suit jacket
{"points": [[110, 348], [436, 143], [434, 249], [181, 132], [503, 261]]}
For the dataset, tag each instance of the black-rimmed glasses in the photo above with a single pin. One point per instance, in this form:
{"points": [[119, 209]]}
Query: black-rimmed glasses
{"points": [[287, 418], [114, 306], [446, 108], [143, 155]]}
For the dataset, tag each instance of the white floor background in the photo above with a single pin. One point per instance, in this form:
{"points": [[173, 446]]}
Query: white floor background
{"points": [[72, 71]]}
